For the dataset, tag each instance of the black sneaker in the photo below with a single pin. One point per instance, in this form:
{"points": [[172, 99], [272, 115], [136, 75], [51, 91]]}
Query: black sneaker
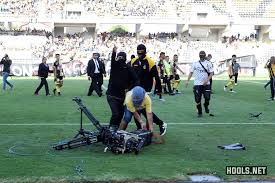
{"points": [[162, 129], [199, 115]]}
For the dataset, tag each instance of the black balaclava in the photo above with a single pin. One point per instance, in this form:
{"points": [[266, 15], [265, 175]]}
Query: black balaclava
{"points": [[121, 57], [141, 51]]}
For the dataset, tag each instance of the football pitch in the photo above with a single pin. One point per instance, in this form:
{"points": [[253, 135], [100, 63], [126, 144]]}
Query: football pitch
{"points": [[30, 125]]}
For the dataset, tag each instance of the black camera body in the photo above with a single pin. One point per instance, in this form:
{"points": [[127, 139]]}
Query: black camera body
{"points": [[121, 142]]}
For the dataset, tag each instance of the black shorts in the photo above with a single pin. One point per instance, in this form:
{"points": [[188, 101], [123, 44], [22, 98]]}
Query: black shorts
{"points": [[60, 78], [177, 77]]}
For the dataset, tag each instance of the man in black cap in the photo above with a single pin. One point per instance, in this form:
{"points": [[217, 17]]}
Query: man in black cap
{"points": [[146, 71], [6, 61], [203, 72], [122, 79]]}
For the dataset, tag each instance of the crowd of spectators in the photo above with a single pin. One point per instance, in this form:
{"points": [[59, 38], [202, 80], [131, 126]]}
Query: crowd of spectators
{"points": [[119, 8], [81, 46]]}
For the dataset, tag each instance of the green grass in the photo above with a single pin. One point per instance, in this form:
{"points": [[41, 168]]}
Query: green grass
{"points": [[189, 149]]}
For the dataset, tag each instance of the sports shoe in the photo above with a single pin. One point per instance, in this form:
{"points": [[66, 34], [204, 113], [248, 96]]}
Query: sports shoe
{"points": [[199, 115], [224, 89], [162, 99], [162, 129], [270, 99], [236, 84], [36, 94], [178, 92], [232, 91]]}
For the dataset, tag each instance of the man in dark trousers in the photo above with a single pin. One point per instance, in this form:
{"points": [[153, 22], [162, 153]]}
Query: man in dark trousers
{"points": [[6, 62], [160, 68], [122, 79], [94, 72], [235, 68], [146, 71], [203, 72], [43, 72]]}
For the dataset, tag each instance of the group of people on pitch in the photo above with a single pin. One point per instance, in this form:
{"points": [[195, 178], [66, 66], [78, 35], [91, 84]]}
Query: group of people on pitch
{"points": [[43, 72], [128, 89]]}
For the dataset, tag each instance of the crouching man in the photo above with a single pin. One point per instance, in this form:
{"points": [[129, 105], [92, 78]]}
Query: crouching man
{"points": [[137, 101]]}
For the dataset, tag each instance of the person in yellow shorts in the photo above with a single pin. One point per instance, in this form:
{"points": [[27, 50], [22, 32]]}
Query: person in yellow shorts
{"points": [[231, 82], [58, 75]]}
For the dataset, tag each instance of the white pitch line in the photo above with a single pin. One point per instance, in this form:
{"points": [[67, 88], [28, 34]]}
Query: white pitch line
{"points": [[255, 82], [73, 124]]}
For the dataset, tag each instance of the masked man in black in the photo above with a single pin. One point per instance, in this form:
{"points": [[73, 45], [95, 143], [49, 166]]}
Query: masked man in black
{"points": [[122, 79]]}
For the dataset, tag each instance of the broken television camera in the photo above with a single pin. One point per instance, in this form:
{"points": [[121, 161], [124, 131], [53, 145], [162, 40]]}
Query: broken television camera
{"points": [[116, 141]]}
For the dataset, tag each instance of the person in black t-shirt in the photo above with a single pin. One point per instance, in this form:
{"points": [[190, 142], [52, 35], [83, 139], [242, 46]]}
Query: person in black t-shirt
{"points": [[122, 79]]}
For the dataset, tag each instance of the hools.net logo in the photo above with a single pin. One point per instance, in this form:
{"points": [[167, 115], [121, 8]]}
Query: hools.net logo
{"points": [[246, 170]]}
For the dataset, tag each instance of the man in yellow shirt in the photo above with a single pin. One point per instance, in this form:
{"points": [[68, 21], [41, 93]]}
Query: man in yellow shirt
{"points": [[137, 100], [271, 68]]}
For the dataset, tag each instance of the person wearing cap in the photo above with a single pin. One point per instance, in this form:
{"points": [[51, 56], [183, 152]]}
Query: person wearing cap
{"points": [[147, 72], [58, 75], [94, 72], [137, 100], [6, 62], [203, 72], [122, 78], [43, 72]]}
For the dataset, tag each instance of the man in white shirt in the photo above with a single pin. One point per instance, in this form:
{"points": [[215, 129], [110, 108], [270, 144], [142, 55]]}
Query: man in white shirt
{"points": [[203, 72]]}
